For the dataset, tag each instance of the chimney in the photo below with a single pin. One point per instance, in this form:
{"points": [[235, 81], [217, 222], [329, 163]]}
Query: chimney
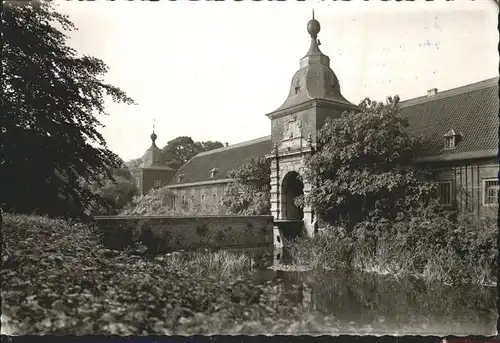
{"points": [[227, 144], [432, 91]]}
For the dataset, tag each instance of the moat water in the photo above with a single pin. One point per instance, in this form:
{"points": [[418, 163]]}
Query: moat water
{"points": [[367, 303]]}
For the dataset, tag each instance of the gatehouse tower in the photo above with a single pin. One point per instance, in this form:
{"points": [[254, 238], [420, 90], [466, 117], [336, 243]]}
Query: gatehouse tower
{"points": [[314, 95]]}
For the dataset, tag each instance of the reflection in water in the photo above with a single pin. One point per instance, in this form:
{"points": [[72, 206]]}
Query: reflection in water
{"points": [[364, 302]]}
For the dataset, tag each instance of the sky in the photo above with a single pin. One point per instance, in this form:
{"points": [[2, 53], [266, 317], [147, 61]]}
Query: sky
{"points": [[213, 70]]}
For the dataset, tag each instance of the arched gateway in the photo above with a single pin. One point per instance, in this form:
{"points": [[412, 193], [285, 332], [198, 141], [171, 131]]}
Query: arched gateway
{"points": [[314, 95], [291, 188]]}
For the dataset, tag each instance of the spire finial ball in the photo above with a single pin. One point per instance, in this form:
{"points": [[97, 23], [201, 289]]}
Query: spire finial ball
{"points": [[313, 27], [153, 137]]}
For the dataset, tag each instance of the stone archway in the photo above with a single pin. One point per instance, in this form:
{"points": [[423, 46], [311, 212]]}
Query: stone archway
{"points": [[292, 187]]}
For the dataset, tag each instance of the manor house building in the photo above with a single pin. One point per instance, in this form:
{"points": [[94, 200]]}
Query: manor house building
{"points": [[461, 124]]}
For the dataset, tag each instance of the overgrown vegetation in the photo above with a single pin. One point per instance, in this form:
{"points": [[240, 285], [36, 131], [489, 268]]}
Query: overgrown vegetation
{"points": [[378, 209], [116, 192], [158, 202], [50, 101], [249, 194], [429, 245], [363, 168], [221, 264], [57, 278]]}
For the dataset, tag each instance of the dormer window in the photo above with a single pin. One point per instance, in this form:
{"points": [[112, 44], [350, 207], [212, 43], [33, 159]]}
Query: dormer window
{"points": [[449, 142], [180, 177], [213, 172], [451, 139]]}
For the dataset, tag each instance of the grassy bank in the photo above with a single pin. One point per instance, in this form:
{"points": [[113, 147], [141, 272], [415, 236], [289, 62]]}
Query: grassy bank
{"points": [[221, 264], [441, 250], [58, 278]]}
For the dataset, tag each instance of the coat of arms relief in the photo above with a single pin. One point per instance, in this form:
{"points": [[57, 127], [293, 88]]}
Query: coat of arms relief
{"points": [[293, 128], [292, 135]]}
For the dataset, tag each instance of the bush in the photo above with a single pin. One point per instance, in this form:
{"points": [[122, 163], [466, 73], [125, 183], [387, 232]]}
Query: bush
{"points": [[157, 202], [363, 166], [57, 278], [427, 243], [330, 248], [249, 193]]}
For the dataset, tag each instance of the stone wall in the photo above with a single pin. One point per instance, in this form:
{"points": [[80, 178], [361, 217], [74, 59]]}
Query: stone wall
{"points": [[164, 234]]}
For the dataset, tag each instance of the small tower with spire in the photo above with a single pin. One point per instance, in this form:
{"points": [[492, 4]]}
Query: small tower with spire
{"points": [[313, 96], [153, 172]]}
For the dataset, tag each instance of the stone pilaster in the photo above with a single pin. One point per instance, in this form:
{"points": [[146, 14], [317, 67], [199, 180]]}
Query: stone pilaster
{"points": [[308, 212], [277, 238]]}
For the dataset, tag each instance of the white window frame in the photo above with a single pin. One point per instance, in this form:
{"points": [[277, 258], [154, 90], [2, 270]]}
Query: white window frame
{"points": [[203, 199], [157, 183], [484, 191], [451, 140], [450, 194], [183, 200], [138, 182], [213, 172]]}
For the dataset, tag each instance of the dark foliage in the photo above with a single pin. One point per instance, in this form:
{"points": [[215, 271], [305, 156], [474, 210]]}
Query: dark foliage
{"points": [[57, 278], [364, 166], [249, 194], [116, 191], [178, 151], [181, 149], [427, 244], [50, 99]]}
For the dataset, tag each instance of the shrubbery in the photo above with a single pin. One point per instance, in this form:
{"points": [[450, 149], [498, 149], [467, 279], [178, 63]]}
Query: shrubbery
{"points": [[57, 278], [115, 192], [379, 208], [158, 202], [428, 244], [364, 168], [249, 194]]}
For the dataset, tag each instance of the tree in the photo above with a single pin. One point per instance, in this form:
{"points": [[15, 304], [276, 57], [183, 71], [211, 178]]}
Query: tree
{"points": [[364, 166], [156, 202], [178, 151], [116, 192], [134, 164], [181, 149], [50, 100], [249, 193]]}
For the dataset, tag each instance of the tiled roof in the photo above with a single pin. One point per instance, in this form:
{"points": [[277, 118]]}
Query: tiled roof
{"points": [[158, 167], [223, 159], [314, 80], [471, 110], [153, 156]]}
